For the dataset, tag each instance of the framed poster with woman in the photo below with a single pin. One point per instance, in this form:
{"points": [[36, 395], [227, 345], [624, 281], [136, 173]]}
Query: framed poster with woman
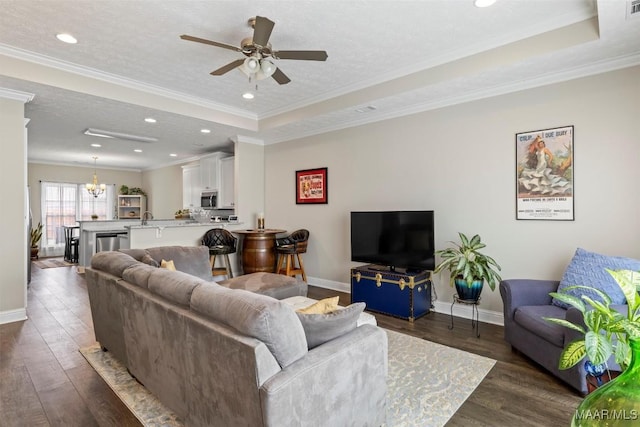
{"points": [[544, 174]]}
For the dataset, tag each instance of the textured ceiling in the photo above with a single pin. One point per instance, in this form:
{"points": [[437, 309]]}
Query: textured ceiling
{"points": [[400, 57]]}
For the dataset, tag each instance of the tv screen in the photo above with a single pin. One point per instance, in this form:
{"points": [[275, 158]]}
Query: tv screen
{"points": [[397, 239]]}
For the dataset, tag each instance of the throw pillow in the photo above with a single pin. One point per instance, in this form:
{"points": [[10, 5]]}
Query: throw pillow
{"points": [[147, 259], [320, 328], [169, 265], [588, 269], [326, 305]]}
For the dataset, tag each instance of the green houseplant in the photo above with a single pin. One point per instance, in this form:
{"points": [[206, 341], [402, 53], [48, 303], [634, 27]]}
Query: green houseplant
{"points": [[606, 331], [34, 240], [468, 267]]}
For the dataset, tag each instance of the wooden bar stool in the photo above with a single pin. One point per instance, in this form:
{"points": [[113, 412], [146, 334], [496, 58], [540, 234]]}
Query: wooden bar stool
{"points": [[289, 249], [220, 242]]}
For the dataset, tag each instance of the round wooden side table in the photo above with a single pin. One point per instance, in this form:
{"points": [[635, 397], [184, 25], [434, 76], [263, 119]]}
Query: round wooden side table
{"points": [[258, 249]]}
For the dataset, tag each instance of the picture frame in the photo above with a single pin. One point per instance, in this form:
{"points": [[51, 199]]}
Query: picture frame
{"points": [[545, 174], [311, 186]]}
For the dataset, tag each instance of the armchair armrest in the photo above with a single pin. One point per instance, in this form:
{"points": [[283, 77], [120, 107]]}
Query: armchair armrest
{"points": [[351, 368], [519, 292]]}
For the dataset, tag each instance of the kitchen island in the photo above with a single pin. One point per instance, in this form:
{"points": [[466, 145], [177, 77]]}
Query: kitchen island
{"points": [[131, 234]]}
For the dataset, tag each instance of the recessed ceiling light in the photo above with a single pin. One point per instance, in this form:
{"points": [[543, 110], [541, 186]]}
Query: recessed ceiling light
{"points": [[150, 120], [67, 38], [248, 95], [173, 155], [96, 145], [137, 150], [205, 130], [483, 3]]}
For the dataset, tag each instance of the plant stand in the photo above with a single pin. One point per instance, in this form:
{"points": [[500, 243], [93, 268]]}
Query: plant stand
{"points": [[475, 314]]}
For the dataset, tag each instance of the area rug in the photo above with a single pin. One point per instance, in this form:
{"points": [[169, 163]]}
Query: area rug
{"points": [[52, 263], [427, 383]]}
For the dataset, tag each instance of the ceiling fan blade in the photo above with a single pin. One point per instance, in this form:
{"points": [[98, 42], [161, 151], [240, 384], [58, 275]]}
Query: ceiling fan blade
{"points": [[226, 68], [262, 30], [280, 77], [210, 42], [307, 55]]}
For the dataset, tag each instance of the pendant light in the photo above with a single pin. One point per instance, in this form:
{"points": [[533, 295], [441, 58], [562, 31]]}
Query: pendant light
{"points": [[94, 188]]}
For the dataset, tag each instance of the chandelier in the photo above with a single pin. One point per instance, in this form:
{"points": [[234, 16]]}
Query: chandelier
{"points": [[94, 188]]}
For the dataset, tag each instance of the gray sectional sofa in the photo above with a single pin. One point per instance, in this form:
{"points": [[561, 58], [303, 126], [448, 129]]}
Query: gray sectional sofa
{"points": [[229, 353]]}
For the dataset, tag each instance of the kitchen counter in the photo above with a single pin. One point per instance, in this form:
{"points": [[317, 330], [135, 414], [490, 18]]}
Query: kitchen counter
{"points": [[175, 233], [157, 232], [179, 223]]}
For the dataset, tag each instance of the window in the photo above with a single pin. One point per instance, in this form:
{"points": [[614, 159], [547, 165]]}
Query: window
{"points": [[64, 203]]}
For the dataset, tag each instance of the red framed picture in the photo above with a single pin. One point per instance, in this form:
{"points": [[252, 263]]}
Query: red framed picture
{"points": [[311, 186]]}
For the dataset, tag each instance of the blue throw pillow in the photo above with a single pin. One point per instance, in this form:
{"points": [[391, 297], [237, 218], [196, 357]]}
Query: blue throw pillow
{"points": [[588, 269]]}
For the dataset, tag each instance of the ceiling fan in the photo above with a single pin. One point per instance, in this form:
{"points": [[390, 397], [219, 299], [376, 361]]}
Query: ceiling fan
{"points": [[258, 52]]}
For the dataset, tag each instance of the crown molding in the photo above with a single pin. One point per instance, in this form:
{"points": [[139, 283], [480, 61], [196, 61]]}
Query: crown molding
{"points": [[16, 95], [543, 80], [47, 61]]}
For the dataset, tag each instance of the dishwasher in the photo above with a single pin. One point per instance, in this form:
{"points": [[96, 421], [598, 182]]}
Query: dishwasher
{"points": [[108, 241]]}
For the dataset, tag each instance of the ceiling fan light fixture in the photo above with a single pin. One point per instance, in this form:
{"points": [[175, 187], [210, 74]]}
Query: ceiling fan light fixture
{"points": [[251, 65], [267, 67]]}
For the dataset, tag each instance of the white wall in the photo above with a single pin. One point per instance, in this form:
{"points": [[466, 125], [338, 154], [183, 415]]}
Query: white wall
{"points": [[13, 215], [57, 173], [460, 162], [164, 188]]}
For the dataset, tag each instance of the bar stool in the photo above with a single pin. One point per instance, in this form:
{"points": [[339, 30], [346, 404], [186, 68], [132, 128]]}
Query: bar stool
{"points": [[220, 242], [71, 243], [289, 247]]}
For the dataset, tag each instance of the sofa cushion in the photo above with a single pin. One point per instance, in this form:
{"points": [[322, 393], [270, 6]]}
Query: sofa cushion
{"points": [[530, 317], [320, 328], [138, 274], [175, 286], [147, 259], [112, 262], [192, 260], [259, 316], [588, 269]]}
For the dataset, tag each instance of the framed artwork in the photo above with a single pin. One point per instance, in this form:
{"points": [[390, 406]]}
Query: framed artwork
{"points": [[544, 174], [311, 186]]}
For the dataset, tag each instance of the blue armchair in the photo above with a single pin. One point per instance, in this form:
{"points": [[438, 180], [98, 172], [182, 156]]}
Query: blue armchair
{"points": [[525, 304]]}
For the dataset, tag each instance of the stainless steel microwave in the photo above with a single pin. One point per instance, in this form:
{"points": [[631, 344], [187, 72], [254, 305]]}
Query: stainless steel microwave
{"points": [[209, 200]]}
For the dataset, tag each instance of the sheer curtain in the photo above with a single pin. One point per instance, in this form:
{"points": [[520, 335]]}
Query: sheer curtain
{"points": [[65, 203]]}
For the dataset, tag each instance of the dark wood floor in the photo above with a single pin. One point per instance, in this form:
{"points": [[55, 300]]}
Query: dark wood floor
{"points": [[45, 381]]}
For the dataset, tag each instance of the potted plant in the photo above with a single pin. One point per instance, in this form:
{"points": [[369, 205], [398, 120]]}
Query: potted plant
{"points": [[468, 268], [36, 236], [606, 331]]}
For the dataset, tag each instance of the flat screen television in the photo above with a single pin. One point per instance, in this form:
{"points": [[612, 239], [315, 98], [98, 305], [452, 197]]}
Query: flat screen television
{"points": [[394, 239]]}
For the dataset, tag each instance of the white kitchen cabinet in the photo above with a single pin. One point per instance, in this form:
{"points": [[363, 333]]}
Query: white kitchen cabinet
{"points": [[191, 186], [226, 194], [210, 171]]}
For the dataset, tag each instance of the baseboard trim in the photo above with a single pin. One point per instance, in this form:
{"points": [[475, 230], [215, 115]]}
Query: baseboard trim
{"points": [[465, 311], [459, 310], [11, 316]]}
